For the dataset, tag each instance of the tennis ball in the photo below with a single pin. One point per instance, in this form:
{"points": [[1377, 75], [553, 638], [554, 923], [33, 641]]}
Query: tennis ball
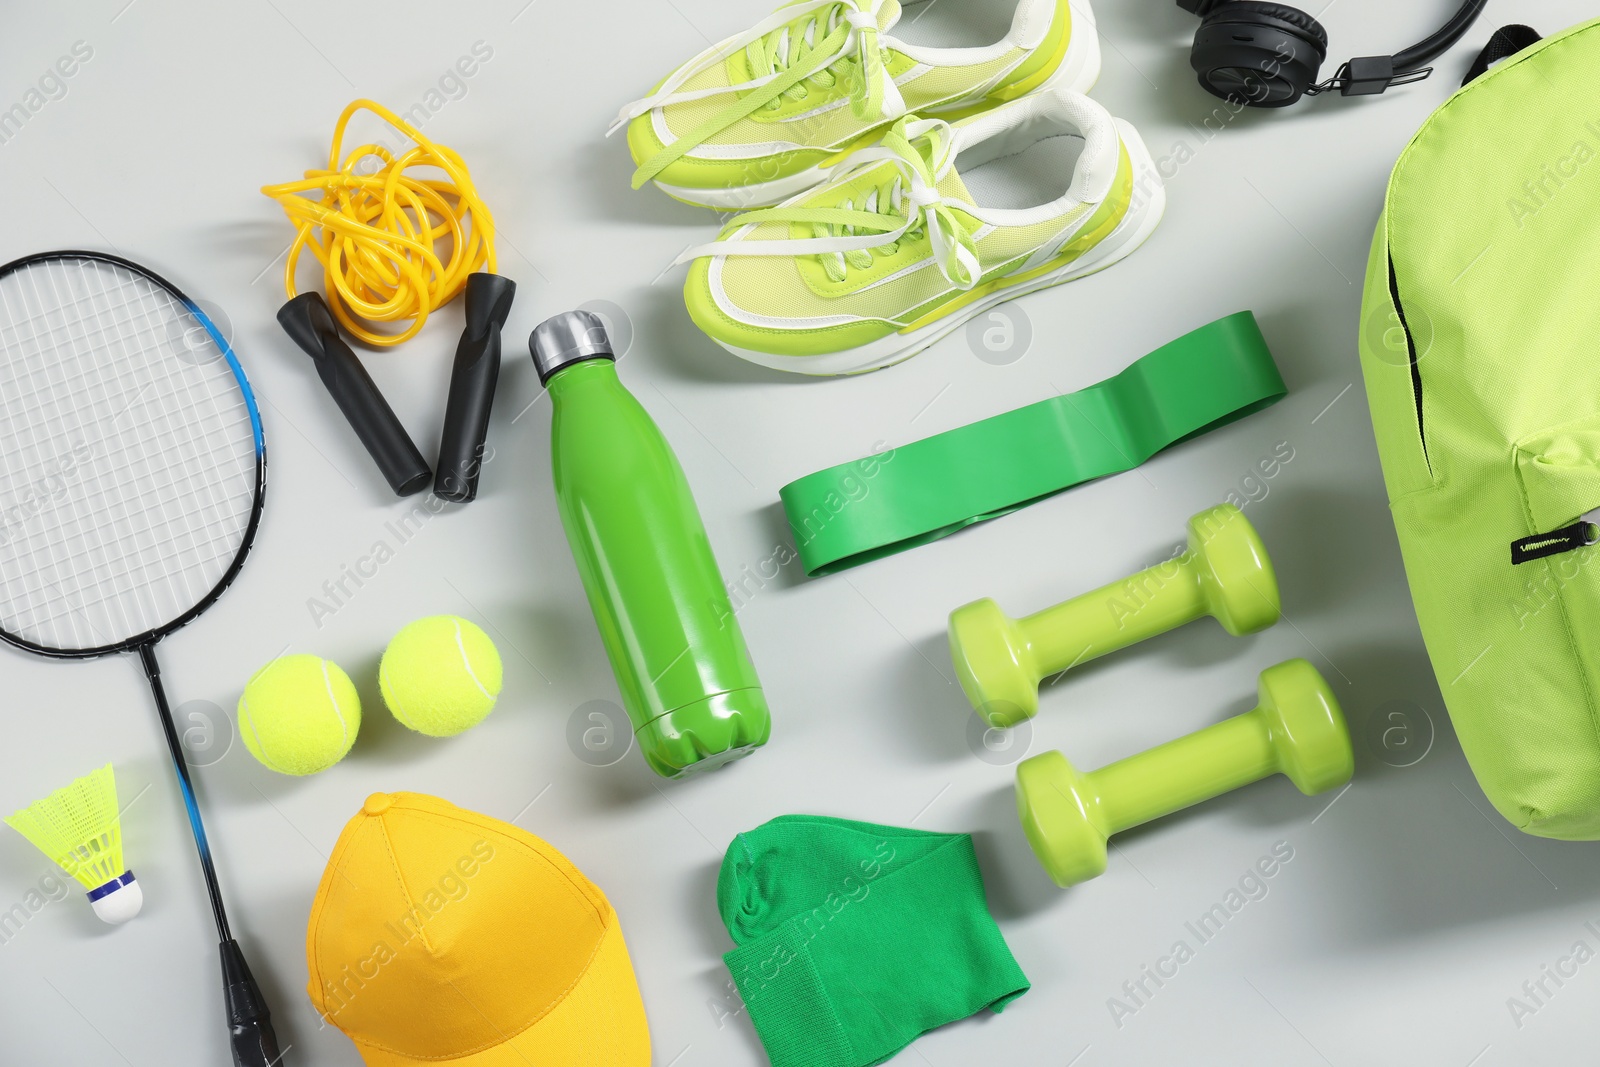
{"points": [[299, 714], [440, 675]]}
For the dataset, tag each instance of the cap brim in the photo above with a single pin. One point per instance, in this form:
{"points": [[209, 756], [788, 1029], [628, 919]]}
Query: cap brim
{"points": [[601, 1021]]}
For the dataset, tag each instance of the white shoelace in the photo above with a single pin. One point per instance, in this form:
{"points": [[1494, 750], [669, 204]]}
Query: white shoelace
{"points": [[880, 100], [915, 192]]}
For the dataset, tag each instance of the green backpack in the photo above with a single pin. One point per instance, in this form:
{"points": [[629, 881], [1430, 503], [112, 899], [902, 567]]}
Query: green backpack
{"points": [[1480, 348]]}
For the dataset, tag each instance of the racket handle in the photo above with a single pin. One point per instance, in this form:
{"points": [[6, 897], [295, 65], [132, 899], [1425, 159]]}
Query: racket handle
{"points": [[309, 323], [472, 382], [251, 1036]]}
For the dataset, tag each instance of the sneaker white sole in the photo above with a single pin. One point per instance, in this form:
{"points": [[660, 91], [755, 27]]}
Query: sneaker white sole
{"points": [[1079, 70], [1144, 214]]}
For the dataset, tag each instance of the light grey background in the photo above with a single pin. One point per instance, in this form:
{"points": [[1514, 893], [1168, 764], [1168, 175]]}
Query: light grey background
{"points": [[1409, 913]]}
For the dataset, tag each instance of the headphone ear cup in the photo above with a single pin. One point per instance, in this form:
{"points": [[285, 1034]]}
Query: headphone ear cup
{"points": [[1258, 54]]}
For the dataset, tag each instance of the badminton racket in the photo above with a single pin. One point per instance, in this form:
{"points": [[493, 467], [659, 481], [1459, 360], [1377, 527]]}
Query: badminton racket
{"points": [[131, 478]]}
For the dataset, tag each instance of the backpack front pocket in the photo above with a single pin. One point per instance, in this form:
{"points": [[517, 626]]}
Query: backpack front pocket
{"points": [[1559, 473]]}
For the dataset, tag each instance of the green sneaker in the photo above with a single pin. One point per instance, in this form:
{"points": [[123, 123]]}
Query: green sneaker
{"points": [[921, 232], [765, 114]]}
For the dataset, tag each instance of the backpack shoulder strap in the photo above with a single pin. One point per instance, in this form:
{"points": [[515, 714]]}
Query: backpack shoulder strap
{"points": [[1506, 42]]}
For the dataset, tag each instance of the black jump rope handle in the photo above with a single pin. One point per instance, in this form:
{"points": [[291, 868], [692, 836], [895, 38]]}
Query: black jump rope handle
{"points": [[251, 1037], [472, 383], [309, 323]]}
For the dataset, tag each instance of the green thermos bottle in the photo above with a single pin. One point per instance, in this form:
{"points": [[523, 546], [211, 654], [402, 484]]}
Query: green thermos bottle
{"points": [[657, 595]]}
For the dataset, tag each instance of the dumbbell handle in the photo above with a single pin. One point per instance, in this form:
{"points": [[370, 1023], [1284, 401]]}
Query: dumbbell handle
{"points": [[1155, 600], [1184, 772]]}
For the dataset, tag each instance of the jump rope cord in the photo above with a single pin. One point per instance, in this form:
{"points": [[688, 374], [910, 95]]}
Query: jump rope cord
{"points": [[376, 227]]}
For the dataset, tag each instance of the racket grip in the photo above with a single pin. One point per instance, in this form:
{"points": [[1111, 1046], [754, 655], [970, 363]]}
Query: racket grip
{"points": [[309, 323], [251, 1036], [472, 384]]}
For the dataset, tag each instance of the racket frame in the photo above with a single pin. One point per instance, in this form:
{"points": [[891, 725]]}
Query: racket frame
{"points": [[252, 1039]]}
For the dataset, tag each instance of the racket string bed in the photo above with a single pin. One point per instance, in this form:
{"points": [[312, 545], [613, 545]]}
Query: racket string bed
{"points": [[144, 480], [59, 534], [15, 580], [144, 625], [237, 407], [206, 560]]}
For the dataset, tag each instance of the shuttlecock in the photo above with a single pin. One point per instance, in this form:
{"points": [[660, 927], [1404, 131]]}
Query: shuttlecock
{"points": [[78, 827]]}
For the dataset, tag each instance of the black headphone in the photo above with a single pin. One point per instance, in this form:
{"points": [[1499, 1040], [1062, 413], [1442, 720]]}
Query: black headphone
{"points": [[1268, 55]]}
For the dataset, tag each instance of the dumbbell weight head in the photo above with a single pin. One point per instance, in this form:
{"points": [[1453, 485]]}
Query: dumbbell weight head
{"points": [[1236, 576], [1062, 818], [1310, 740], [993, 664]]}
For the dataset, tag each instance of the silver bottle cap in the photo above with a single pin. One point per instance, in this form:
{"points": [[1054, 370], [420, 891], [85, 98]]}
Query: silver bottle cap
{"points": [[567, 338]]}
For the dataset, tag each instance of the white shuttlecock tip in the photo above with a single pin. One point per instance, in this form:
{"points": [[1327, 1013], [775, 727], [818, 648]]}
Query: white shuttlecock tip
{"points": [[118, 900]]}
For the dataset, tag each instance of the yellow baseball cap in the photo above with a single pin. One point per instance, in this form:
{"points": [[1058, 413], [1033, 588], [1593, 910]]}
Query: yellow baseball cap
{"points": [[439, 934]]}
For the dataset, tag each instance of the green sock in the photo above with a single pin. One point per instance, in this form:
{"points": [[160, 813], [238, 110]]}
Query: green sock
{"points": [[855, 939]]}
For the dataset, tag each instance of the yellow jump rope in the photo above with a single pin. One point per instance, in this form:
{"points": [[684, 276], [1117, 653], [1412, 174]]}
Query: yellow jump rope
{"points": [[376, 227], [377, 230]]}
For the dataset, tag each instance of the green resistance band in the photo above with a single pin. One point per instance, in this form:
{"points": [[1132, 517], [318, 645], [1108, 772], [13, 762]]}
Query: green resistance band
{"points": [[909, 496]]}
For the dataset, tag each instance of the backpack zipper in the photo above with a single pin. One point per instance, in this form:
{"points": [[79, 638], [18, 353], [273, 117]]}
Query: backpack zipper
{"points": [[1411, 354], [1581, 534]]}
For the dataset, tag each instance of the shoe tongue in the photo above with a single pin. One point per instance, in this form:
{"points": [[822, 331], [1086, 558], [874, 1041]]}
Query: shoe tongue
{"points": [[888, 14], [951, 187]]}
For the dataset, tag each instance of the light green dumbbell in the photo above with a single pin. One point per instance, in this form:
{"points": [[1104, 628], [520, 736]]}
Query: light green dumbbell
{"points": [[1224, 573], [1296, 730]]}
